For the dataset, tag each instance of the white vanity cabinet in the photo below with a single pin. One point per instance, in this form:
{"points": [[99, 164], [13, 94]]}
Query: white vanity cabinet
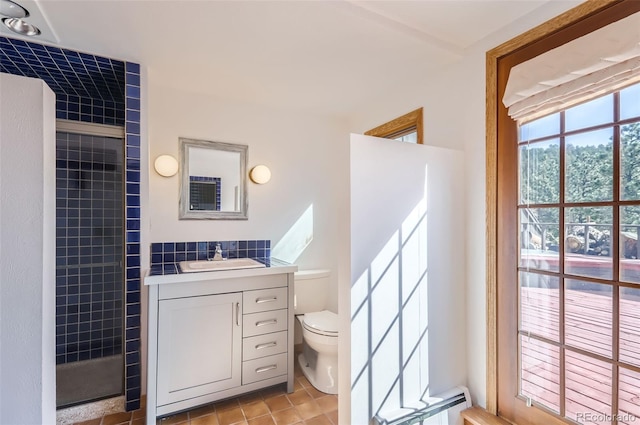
{"points": [[199, 346], [215, 335]]}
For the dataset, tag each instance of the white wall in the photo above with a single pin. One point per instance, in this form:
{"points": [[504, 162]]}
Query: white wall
{"points": [[27, 251], [454, 116], [308, 158], [407, 293]]}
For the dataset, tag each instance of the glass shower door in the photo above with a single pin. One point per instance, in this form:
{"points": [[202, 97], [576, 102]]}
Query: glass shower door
{"points": [[89, 267]]}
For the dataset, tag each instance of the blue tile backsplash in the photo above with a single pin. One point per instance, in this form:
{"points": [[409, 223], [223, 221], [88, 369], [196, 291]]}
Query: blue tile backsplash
{"points": [[166, 254], [98, 90]]}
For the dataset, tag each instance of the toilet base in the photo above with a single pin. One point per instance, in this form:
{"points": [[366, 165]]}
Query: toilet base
{"points": [[326, 381]]}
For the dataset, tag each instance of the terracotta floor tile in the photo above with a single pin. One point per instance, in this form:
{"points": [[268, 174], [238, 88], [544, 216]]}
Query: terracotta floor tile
{"points": [[262, 420], [140, 413], [274, 391], [116, 418], [318, 420], [256, 409], [95, 421], [250, 398], [297, 385], [333, 416], [138, 421], [309, 410], [314, 393], [299, 397], [227, 405], [328, 403], [202, 411], [304, 381], [230, 416], [205, 420], [280, 402], [286, 417]]}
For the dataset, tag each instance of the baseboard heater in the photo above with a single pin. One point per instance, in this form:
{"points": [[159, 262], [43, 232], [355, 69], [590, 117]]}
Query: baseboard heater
{"points": [[442, 409]]}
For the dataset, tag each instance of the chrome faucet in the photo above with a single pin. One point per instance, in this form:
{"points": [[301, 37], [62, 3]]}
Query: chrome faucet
{"points": [[218, 254]]}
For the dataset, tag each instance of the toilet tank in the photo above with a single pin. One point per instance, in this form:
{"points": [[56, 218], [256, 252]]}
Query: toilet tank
{"points": [[310, 290]]}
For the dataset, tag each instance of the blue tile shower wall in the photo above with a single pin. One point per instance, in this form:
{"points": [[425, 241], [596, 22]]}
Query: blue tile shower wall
{"points": [[133, 371], [173, 252], [88, 88], [89, 247], [98, 90]]}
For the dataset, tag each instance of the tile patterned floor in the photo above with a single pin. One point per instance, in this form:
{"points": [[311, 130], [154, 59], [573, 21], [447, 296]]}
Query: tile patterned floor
{"points": [[272, 406]]}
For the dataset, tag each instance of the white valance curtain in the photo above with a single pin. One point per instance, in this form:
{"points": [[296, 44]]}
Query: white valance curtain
{"points": [[598, 63]]}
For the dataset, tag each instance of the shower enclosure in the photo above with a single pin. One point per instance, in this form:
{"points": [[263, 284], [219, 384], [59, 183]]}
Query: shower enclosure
{"points": [[89, 262]]}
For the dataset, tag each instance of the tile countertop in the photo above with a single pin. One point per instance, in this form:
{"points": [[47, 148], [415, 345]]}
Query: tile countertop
{"points": [[170, 273]]}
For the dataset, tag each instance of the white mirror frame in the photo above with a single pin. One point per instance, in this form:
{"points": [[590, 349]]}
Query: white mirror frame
{"points": [[185, 212]]}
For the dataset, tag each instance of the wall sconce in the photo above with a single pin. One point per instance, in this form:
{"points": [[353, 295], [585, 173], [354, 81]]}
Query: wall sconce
{"points": [[166, 165], [260, 174]]}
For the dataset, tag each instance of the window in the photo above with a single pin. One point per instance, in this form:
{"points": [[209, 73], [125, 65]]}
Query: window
{"points": [[579, 198], [562, 210], [407, 128]]}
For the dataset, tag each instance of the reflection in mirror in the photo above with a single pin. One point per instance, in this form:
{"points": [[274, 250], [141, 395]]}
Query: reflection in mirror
{"points": [[213, 182]]}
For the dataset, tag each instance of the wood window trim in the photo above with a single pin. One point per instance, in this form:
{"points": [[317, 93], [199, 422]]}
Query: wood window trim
{"points": [[408, 121], [509, 54]]}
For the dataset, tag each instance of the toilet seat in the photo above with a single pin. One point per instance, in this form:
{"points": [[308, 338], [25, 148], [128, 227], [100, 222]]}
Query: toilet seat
{"points": [[322, 323]]}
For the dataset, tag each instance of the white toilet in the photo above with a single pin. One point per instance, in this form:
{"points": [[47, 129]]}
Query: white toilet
{"points": [[319, 359]]}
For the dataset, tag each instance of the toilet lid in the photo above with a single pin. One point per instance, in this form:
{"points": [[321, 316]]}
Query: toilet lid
{"points": [[324, 321]]}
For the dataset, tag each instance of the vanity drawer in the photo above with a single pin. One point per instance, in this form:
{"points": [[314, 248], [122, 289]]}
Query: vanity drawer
{"points": [[264, 322], [264, 368], [264, 345], [264, 300]]}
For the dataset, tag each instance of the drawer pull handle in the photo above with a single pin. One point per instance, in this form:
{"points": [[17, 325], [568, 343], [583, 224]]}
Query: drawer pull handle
{"points": [[266, 368], [266, 345], [237, 314], [266, 322], [266, 300]]}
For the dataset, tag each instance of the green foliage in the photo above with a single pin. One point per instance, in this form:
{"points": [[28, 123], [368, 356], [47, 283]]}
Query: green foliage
{"points": [[589, 176]]}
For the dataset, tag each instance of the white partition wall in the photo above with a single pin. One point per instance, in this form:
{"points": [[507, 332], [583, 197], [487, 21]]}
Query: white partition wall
{"points": [[407, 274], [27, 251]]}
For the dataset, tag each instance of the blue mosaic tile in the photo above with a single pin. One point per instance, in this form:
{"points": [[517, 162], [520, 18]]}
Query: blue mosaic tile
{"points": [[169, 253], [93, 89]]}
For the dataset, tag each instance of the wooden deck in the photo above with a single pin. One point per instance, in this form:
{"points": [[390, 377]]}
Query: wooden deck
{"points": [[588, 381]]}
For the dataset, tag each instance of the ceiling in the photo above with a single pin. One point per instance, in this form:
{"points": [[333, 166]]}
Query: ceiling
{"points": [[323, 56]]}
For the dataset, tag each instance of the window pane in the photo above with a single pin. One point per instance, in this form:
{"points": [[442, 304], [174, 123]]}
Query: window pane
{"points": [[630, 326], [540, 373], [539, 233], [630, 102], [588, 242], [629, 237], [409, 138], [589, 166], [542, 127], [630, 161], [588, 388], [540, 172], [539, 305], [595, 112], [628, 400], [588, 310]]}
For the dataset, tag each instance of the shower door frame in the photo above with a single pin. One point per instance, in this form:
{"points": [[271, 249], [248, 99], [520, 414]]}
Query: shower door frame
{"points": [[116, 132]]}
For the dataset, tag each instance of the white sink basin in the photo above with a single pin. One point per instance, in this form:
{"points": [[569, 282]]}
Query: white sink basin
{"points": [[228, 264]]}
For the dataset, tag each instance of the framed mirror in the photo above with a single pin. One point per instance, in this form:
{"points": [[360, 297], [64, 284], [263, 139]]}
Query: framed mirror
{"points": [[213, 182]]}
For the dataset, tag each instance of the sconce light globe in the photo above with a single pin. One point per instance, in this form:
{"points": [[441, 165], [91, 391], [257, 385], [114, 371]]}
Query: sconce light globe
{"points": [[260, 174], [166, 165]]}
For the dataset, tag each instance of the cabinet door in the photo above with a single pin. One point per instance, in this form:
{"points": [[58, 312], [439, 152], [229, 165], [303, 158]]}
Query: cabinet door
{"points": [[199, 346]]}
